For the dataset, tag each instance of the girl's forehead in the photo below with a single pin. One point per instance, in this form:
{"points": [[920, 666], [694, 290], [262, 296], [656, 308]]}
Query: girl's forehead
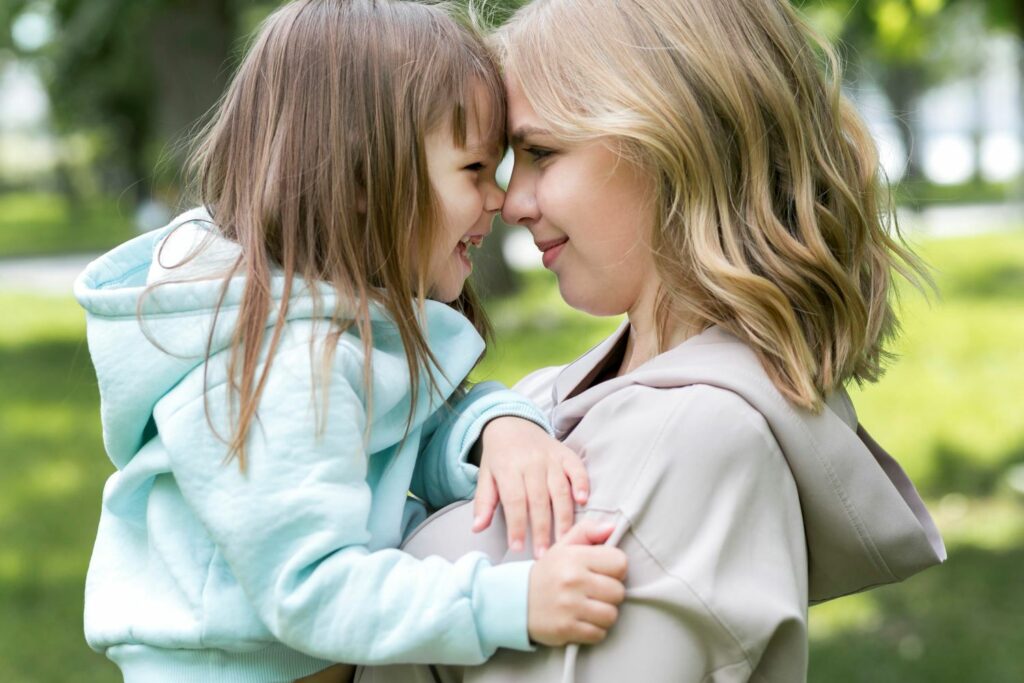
{"points": [[485, 119]]}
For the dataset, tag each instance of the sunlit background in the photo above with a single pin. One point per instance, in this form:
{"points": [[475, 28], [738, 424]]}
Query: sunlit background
{"points": [[97, 99]]}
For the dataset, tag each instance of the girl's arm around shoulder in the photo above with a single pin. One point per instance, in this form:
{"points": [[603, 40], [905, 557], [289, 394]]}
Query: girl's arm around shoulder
{"points": [[444, 471], [294, 529]]}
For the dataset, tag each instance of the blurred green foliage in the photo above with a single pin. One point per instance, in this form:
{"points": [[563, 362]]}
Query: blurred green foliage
{"points": [[949, 410], [139, 74], [45, 223]]}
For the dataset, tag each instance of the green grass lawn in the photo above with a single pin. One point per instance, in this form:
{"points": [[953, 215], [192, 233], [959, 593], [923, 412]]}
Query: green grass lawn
{"points": [[949, 410], [36, 223]]}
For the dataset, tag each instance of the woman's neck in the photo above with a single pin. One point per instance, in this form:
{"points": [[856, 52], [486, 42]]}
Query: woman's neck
{"points": [[642, 344]]}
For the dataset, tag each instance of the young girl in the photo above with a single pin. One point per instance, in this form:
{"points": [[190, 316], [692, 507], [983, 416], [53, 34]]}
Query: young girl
{"points": [[690, 164], [274, 370]]}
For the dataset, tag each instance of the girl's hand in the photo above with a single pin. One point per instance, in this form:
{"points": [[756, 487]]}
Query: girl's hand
{"points": [[576, 588], [532, 475]]}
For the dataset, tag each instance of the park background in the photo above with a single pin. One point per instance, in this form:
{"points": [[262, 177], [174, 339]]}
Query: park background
{"points": [[96, 97]]}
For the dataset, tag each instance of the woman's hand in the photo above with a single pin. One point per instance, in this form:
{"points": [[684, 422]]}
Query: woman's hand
{"points": [[532, 475]]}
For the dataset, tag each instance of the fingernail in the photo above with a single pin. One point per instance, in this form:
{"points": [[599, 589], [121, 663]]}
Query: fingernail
{"points": [[539, 551], [516, 545]]}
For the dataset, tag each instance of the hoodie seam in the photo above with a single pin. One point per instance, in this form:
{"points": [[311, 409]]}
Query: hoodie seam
{"points": [[202, 313], [696, 594], [122, 277], [745, 663], [679, 407]]}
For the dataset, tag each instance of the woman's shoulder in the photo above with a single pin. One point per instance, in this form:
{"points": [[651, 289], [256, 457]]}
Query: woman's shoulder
{"points": [[538, 386], [712, 416], [681, 437]]}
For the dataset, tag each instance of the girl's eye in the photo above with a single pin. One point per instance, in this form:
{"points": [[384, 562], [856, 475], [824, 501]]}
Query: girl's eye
{"points": [[538, 153], [475, 167]]}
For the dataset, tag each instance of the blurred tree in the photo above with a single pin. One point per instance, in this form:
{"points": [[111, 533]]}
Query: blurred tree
{"points": [[909, 46], [1009, 15], [893, 42], [138, 73]]}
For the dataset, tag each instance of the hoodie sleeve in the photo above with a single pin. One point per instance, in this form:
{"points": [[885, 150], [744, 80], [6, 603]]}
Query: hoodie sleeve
{"points": [[443, 472], [293, 527]]}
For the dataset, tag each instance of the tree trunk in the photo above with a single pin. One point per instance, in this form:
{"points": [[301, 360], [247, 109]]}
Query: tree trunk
{"points": [[1020, 96], [978, 127], [189, 45], [1017, 17], [902, 87]]}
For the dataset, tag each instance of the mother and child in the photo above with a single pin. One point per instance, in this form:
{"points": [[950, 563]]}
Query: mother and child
{"points": [[283, 371]]}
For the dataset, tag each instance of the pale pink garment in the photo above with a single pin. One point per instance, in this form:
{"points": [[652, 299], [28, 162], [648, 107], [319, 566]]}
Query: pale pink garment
{"points": [[736, 508]]}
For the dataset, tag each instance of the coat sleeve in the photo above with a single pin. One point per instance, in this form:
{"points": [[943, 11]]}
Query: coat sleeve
{"points": [[293, 527], [443, 472]]}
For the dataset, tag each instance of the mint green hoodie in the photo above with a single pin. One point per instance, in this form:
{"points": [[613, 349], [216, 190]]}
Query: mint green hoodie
{"points": [[204, 573]]}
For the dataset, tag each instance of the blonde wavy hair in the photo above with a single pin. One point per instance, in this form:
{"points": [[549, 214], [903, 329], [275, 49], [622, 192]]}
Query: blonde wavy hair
{"points": [[772, 219], [314, 162]]}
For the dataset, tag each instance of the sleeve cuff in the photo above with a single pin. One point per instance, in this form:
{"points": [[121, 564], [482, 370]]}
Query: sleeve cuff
{"points": [[499, 402], [491, 400], [500, 603]]}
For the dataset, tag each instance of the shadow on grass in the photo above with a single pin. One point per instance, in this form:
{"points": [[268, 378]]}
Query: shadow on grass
{"points": [[956, 471], [1004, 282], [955, 623]]}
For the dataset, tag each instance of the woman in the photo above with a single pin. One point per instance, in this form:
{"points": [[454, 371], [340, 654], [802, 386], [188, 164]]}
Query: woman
{"points": [[691, 164]]}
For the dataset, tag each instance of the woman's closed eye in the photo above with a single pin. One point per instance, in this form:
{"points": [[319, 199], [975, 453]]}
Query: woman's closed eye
{"points": [[475, 167], [538, 153]]}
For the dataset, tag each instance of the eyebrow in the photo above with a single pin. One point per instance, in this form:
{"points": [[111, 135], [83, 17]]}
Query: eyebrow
{"points": [[520, 134], [484, 149]]}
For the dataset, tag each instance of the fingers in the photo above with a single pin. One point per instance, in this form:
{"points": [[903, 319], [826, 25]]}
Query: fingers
{"points": [[484, 502], [606, 589], [540, 510], [513, 501], [607, 560], [600, 614], [562, 506], [586, 634], [587, 532], [572, 596], [576, 471]]}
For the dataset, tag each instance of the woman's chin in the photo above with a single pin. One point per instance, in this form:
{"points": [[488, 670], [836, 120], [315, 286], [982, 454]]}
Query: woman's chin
{"points": [[589, 300]]}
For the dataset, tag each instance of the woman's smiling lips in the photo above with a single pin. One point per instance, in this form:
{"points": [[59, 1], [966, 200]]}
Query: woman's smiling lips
{"points": [[551, 249]]}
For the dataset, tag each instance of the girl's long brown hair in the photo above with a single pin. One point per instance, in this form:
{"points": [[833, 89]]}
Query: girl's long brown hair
{"points": [[772, 219], [314, 163]]}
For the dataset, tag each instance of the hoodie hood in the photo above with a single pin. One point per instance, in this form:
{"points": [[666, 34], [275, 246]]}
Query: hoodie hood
{"points": [[143, 346], [864, 522]]}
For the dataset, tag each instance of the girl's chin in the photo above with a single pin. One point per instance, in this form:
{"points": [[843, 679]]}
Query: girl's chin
{"points": [[446, 295]]}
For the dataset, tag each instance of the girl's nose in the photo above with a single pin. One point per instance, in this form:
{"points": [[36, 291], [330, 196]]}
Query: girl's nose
{"points": [[495, 199]]}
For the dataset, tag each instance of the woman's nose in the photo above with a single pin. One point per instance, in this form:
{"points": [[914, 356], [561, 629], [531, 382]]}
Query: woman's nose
{"points": [[520, 200]]}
